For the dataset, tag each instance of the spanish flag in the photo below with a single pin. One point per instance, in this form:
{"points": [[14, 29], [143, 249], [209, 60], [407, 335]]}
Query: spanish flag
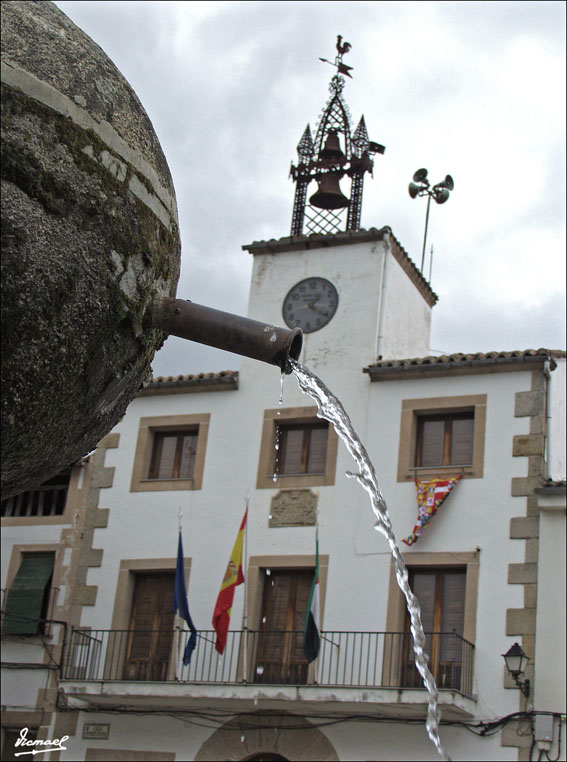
{"points": [[234, 576]]}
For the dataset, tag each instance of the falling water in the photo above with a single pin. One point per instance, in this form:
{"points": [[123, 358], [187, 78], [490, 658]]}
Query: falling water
{"points": [[331, 409]]}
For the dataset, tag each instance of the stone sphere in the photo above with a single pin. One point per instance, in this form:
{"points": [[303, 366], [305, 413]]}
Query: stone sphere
{"points": [[90, 239]]}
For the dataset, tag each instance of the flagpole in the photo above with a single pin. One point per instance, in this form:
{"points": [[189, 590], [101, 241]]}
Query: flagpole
{"points": [[179, 660], [245, 611], [316, 665]]}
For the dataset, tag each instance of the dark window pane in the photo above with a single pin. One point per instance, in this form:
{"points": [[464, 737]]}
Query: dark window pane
{"points": [[189, 447], [431, 445], [317, 450], [9, 750], [167, 457], [462, 441], [291, 449], [173, 455]]}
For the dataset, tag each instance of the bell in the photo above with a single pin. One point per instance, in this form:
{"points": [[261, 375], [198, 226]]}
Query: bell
{"points": [[332, 149], [329, 195]]}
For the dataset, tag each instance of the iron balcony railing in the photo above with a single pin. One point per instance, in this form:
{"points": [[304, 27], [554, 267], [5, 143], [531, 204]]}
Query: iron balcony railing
{"points": [[349, 659]]}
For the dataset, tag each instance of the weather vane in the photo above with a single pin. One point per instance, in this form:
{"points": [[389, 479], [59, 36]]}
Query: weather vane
{"points": [[342, 48]]}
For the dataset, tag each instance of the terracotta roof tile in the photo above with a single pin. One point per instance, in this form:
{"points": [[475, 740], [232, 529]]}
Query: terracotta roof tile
{"points": [[436, 364], [223, 380]]}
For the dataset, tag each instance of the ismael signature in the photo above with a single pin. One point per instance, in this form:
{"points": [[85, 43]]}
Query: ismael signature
{"points": [[55, 745]]}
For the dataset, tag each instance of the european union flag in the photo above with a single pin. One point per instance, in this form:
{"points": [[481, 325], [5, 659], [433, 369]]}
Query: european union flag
{"points": [[180, 604]]}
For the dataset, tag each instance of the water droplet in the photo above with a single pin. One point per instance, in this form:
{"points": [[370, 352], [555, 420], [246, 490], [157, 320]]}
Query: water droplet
{"points": [[259, 669], [241, 739], [275, 478], [270, 516], [255, 702], [268, 572], [263, 620]]}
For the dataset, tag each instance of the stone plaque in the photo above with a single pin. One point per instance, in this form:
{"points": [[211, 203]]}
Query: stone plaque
{"points": [[293, 508], [96, 730]]}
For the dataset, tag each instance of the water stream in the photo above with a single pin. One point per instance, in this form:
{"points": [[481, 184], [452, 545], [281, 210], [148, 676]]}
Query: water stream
{"points": [[332, 410]]}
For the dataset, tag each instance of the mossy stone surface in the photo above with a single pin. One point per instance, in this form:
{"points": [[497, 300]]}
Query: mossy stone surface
{"points": [[83, 257]]}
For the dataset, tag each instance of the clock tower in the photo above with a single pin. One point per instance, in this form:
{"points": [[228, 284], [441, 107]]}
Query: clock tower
{"points": [[354, 292]]}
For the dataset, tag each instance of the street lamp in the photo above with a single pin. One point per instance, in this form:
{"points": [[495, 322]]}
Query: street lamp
{"points": [[440, 193], [516, 661]]}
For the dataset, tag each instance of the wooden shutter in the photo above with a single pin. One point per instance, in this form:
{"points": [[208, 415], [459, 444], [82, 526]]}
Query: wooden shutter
{"points": [[28, 598], [291, 444], [462, 432], [441, 596], [318, 449], [431, 440], [280, 648], [445, 440], [151, 627], [188, 447], [173, 455], [303, 448]]}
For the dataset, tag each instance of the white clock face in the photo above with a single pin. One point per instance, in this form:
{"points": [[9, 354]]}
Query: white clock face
{"points": [[310, 304]]}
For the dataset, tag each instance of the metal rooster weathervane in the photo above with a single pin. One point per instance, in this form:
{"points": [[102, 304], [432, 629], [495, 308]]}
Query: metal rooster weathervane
{"points": [[342, 48]]}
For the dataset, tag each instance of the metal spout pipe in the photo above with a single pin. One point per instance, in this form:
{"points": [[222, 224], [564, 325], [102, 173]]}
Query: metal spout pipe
{"points": [[250, 338]]}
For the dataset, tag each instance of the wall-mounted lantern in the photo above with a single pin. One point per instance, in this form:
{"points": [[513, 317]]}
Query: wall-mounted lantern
{"points": [[516, 662]]}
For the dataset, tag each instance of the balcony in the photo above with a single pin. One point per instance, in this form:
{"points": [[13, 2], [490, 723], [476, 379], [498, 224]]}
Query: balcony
{"points": [[140, 669]]}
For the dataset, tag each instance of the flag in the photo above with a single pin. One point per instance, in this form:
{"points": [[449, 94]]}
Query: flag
{"points": [[311, 639], [180, 604], [233, 576], [430, 496]]}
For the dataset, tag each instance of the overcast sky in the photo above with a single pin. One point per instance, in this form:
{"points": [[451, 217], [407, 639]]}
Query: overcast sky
{"points": [[473, 89]]}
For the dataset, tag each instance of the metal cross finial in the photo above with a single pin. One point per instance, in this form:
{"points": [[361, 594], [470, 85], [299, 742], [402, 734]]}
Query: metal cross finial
{"points": [[342, 48]]}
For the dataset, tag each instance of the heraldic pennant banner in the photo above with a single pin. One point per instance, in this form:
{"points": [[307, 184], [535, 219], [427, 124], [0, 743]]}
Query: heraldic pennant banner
{"points": [[430, 496]]}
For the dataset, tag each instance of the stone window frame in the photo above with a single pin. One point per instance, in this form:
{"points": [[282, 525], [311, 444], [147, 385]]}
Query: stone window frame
{"points": [[413, 408], [396, 607], [266, 462], [151, 425], [76, 483]]}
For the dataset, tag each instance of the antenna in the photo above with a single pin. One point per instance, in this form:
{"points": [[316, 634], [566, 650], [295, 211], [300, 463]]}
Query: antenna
{"points": [[439, 192]]}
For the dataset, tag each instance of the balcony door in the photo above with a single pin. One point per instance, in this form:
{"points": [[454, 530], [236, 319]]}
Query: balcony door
{"points": [[441, 596], [151, 628], [279, 653]]}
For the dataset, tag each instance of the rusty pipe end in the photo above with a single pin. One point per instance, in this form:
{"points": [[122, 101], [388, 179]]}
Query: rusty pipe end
{"points": [[233, 333], [291, 349]]}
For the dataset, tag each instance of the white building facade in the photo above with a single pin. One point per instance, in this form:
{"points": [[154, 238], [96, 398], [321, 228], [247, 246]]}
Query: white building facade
{"points": [[486, 569]]}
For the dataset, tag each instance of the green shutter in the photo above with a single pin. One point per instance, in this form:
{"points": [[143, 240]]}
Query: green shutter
{"points": [[29, 591]]}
